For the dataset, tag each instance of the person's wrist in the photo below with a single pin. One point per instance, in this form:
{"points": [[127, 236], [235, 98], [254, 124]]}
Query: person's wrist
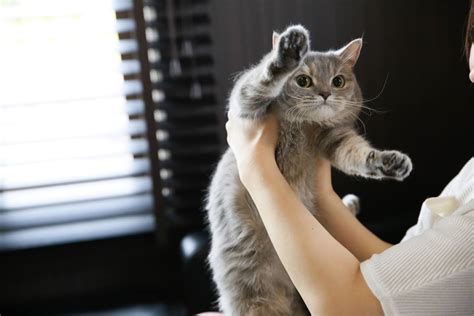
{"points": [[324, 197], [322, 177], [323, 190], [255, 165]]}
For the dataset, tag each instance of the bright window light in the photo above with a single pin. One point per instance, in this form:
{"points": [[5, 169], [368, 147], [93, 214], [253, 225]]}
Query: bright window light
{"points": [[64, 118]]}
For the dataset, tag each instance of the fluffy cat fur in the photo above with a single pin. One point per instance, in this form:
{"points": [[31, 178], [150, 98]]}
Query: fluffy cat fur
{"points": [[318, 119]]}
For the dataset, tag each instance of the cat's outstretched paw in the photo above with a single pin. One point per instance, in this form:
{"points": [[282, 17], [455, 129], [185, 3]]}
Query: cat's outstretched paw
{"points": [[293, 46], [389, 164]]}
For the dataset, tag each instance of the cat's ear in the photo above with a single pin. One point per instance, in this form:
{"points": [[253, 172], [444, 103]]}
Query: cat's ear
{"points": [[350, 53], [275, 37]]}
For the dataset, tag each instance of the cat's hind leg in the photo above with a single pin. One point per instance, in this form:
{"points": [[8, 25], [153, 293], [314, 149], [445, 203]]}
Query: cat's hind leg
{"points": [[251, 281], [281, 304], [258, 300], [352, 202]]}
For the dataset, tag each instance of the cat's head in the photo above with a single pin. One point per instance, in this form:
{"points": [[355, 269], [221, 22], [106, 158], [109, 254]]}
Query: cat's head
{"points": [[324, 89]]}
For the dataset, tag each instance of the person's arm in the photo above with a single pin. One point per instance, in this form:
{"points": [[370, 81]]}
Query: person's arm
{"points": [[326, 274], [339, 222]]}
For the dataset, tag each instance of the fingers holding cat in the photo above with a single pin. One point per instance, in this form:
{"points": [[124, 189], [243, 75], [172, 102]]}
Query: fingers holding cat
{"points": [[246, 135], [252, 141]]}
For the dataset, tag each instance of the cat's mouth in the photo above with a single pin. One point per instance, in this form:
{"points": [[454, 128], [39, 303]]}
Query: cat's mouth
{"points": [[317, 112], [324, 103]]}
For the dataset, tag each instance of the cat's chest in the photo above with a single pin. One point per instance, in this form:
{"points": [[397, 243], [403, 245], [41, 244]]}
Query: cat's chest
{"points": [[296, 153], [296, 159]]}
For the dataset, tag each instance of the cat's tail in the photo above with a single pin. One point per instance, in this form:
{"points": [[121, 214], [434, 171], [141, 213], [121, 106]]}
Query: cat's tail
{"points": [[352, 202]]}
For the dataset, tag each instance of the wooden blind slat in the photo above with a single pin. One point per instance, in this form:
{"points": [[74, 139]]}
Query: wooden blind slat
{"points": [[72, 171], [75, 212], [70, 149], [74, 232], [49, 196]]}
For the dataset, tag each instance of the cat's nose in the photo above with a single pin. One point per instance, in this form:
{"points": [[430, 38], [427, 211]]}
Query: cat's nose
{"points": [[325, 95]]}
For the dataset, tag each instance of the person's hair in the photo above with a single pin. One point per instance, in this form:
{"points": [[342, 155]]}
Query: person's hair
{"points": [[469, 30]]}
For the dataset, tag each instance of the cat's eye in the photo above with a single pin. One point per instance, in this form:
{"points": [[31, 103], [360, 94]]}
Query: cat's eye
{"points": [[304, 81], [338, 81]]}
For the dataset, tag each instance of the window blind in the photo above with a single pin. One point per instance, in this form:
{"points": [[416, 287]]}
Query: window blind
{"points": [[187, 114], [74, 153]]}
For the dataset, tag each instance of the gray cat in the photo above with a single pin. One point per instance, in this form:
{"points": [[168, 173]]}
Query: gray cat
{"points": [[317, 100]]}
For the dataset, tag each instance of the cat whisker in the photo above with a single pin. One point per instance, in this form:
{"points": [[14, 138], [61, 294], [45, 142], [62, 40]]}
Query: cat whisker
{"points": [[302, 111], [380, 93], [290, 113], [297, 114], [360, 104], [357, 105], [299, 98], [362, 122], [367, 111]]}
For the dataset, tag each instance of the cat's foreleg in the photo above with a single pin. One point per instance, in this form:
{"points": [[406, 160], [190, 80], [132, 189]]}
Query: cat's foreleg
{"points": [[257, 88], [352, 154]]}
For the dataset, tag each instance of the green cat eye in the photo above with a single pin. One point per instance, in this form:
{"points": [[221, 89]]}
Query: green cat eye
{"points": [[304, 81], [338, 81]]}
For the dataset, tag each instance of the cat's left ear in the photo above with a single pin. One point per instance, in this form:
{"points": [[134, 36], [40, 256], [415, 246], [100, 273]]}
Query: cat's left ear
{"points": [[275, 37], [350, 53]]}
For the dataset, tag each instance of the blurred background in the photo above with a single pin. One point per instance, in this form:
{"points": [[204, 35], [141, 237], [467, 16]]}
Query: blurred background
{"points": [[111, 122]]}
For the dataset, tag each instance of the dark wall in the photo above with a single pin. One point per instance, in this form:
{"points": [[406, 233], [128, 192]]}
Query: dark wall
{"points": [[427, 102], [89, 275]]}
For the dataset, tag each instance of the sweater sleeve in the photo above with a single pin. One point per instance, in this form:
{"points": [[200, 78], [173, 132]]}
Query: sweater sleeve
{"points": [[430, 274]]}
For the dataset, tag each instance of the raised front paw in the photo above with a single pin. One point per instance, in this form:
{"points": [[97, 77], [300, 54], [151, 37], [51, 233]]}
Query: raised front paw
{"points": [[293, 46], [388, 164]]}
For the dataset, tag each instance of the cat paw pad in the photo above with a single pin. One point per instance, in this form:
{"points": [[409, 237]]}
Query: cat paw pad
{"points": [[294, 44], [390, 164]]}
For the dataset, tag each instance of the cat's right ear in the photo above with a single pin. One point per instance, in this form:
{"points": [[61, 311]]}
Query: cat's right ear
{"points": [[275, 37], [350, 53]]}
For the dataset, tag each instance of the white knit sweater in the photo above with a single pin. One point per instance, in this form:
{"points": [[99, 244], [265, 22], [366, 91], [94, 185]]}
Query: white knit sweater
{"points": [[431, 272]]}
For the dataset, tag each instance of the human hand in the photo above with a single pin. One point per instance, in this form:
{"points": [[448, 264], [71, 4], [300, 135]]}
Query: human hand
{"points": [[252, 142]]}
